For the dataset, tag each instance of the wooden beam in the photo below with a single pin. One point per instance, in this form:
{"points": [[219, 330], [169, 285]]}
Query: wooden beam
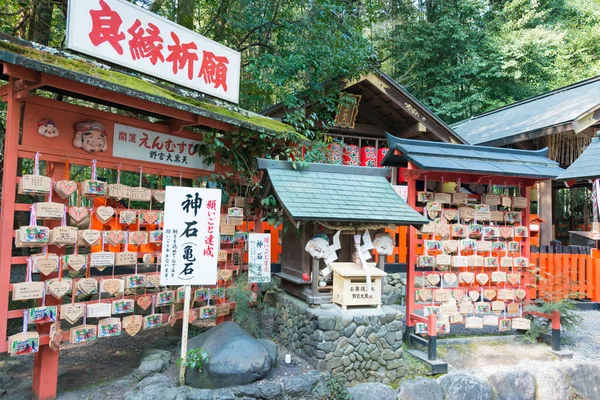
{"points": [[414, 129], [587, 119], [360, 129]]}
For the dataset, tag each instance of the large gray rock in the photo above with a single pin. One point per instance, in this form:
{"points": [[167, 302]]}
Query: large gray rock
{"points": [[200, 394], [235, 358], [465, 387], [296, 386], [551, 383], [584, 379], [149, 367], [371, 391], [420, 389], [271, 347], [513, 385]]}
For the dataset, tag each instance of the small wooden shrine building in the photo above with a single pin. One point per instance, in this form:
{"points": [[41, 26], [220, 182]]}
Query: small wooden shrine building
{"points": [[324, 198]]}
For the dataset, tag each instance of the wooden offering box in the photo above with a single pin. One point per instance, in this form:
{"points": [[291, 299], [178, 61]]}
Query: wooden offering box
{"points": [[350, 285]]}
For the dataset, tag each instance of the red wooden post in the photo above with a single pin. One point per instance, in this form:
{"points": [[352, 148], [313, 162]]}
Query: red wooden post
{"points": [[9, 182], [432, 339], [411, 256], [556, 330]]}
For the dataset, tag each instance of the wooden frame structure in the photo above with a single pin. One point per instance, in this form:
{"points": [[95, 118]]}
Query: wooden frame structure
{"points": [[27, 70]]}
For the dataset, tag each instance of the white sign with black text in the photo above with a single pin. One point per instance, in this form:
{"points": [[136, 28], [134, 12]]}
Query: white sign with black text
{"points": [[259, 257], [190, 236], [143, 145], [132, 37]]}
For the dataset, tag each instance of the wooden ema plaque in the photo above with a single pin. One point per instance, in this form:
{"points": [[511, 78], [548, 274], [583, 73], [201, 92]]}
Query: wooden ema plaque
{"points": [[350, 285]]}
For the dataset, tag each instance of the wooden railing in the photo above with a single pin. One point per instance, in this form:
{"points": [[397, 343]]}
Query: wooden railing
{"points": [[563, 271]]}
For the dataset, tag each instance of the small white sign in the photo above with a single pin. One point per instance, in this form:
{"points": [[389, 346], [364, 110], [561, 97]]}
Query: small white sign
{"points": [[402, 191], [190, 236], [259, 257], [143, 145], [132, 37]]}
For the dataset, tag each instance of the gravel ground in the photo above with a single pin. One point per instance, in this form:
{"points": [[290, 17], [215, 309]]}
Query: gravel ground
{"points": [[585, 341]]}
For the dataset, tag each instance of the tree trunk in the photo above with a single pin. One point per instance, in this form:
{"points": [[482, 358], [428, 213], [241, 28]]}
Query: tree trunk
{"points": [[185, 13], [156, 5], [43, 23]]}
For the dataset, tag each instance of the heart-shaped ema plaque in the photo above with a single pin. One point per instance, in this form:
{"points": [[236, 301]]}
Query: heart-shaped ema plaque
{"points": [[513, 279], [150, 217], [127, 217], [466, 277], [443, 230], [115, 238], [153, 280], [474, 295], [87, 285], [450, 278], [59, 288], [91, 237], [489, 294], [458, 294], [112, 286], [105, 213], [45, 265], [159, 196], [147, 259], [520, 294], [75, 261], [423, 294], [225, 274], [433, 279], [132, 324], [65, 188], [451, 246], [78, 214], [138, 238], [144, 302], [506, 232], [72, 312], [482, 278], [450, 214]]}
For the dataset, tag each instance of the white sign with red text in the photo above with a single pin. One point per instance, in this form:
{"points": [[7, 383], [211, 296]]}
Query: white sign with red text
{"points": [[190, 236], [127, 35], [143, 145], [259, 257]]}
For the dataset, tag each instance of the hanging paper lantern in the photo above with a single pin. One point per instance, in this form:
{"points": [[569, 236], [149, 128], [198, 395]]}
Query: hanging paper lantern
{"points": [[380, 154], [351, 155], [335, 153], [368, 156]]}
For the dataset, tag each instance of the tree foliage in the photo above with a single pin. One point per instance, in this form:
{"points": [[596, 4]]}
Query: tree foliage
{"points": [[460, 57]]}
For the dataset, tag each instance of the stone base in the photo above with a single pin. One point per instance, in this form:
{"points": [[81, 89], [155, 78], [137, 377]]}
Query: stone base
{"points": [[361, 345]]}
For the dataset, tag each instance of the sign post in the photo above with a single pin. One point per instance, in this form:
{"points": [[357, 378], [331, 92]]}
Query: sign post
{"points": [[259, 258], [190, 246]]}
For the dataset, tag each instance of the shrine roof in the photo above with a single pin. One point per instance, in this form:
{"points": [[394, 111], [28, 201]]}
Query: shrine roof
{"points": [[63, 64], [337, 193], [586, 166], [436, 156], [538, 116]]}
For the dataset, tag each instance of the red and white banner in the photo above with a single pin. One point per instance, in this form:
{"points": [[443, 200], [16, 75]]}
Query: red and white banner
{"points": [[128, 35]]}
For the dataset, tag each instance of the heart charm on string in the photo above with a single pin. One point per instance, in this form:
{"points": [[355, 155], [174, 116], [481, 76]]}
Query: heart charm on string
{"points": [[65, 188], [513, 279], [58, 288], [72, 312], [112, 286], [87, 285], [127, 217], [451, 246], [433, 279], [506, 232], [105, 213], [225, 274], [482, 278], [520, 294], [450, 214], [75, 261], [114, 237], [90, 236], [474, 295], [132, 324], [450, 278], [138, 238], [489, 294], [153, 280], [466, 277], [423, 294], [78, 214], [150, 217], [144, 302], [458, 294], [159, 196]]}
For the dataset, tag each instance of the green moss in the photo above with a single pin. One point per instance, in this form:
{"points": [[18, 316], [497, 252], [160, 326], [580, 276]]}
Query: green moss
{"points": [[228, 114]]}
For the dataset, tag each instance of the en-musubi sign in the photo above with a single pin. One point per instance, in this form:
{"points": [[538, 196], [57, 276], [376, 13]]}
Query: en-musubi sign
{"points": [[143, 145], [128, 35], [190, 236]]}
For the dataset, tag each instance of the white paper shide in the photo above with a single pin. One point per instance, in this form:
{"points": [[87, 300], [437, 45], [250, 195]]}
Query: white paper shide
{"points": [[190, 236]]}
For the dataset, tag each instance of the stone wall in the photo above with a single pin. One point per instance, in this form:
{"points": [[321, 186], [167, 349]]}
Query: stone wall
{"points": [[393, 285], [363, 345]]}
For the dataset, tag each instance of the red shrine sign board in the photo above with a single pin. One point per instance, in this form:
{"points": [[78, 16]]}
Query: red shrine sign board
{"points": [[134, 38]]}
